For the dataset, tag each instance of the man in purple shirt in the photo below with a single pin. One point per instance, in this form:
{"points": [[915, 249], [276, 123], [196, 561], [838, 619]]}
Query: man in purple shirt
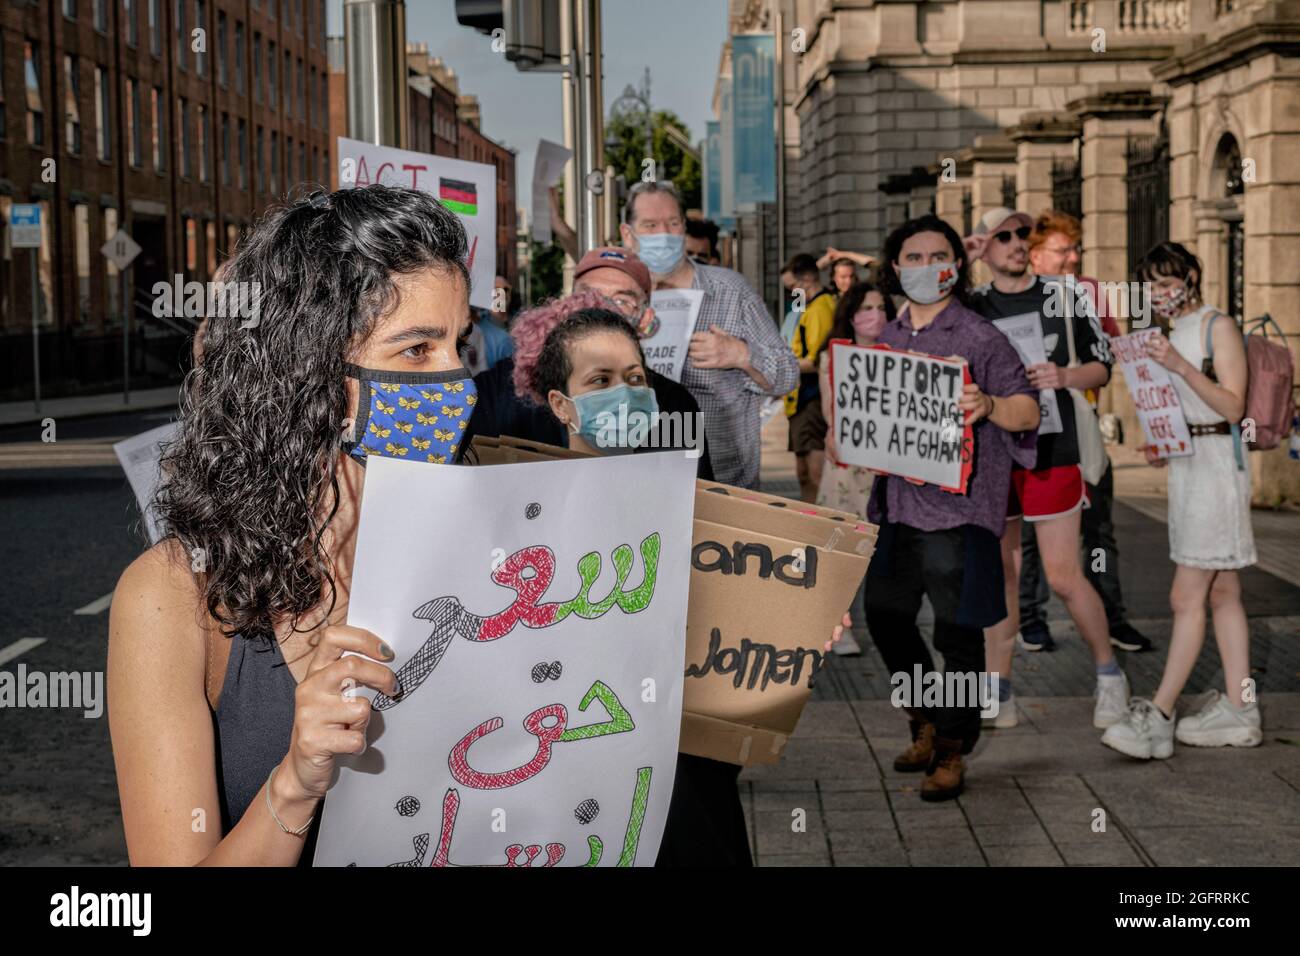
{"points": [[934, 542]]}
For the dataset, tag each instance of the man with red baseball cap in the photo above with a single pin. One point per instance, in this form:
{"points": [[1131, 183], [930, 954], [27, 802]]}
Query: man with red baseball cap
{"points": [[623, 279], [1051, 494]]}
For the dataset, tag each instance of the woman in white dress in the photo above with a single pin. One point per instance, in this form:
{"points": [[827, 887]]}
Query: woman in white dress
{"points": [[859, 316], [1210, 535]]}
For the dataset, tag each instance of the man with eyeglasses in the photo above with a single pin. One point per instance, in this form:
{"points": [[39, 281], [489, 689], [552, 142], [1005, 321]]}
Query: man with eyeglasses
{"points": [[1054, 250], [736, 356], [1052, 494], [622, 281]]}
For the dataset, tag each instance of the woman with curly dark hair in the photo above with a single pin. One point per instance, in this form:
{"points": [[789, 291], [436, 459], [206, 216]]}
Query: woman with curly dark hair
{"points": [[226, 662]]}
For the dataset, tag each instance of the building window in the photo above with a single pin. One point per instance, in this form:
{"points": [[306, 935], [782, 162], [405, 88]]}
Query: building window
{"points": [[239, 57], [223, 64], [287, 82], [225, 149], [32, 81], [257, 67], [297, 16], [272, 68], [103, 116], [201, 22], [132, 15], [320, 22], [133, 123], [110, 271], [324, 167], [159, 131], [202, 131], [311, 95], [232, 239], [260, 159], [182, 35], [70, 9], [187, 168], [155, 27], [302, 162], [288, 163], [81, 233], [191, 246], [71, 113], [302, 98], [243, 155], [275, 161], [210, 246], [101, 15]]}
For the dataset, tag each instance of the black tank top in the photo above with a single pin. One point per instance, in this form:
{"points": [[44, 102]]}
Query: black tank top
{"points": [[254, 725]]}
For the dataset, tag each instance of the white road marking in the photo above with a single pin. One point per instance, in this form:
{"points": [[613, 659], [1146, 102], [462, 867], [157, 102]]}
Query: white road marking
{"points": [[18, 648], [97, 606]]}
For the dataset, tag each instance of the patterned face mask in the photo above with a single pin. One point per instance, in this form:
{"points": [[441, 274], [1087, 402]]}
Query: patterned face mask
{"points": [[419, 416]]}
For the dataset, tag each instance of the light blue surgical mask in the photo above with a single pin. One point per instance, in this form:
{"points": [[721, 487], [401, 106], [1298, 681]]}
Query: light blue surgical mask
{"points": [[616, 420], [661, 251]]}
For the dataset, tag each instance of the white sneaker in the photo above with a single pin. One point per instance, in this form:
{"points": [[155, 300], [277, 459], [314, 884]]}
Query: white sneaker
{"points": [[1112, 700], [1006, 717], [1142, 732], [1219, 724], [846, 646]]}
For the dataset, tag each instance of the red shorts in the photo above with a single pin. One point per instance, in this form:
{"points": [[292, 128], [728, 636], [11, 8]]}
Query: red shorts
{"points": [[1046, 492]]}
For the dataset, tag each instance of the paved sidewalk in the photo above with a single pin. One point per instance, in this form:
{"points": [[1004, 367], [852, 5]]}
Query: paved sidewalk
{"points": [[1032, 796], [1033, 792], [17, 413]]}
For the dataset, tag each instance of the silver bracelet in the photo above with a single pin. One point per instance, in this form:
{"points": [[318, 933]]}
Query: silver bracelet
{"points": [[274, 816]]}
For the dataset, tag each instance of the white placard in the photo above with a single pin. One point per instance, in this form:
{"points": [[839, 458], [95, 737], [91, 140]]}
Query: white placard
{"points": [[454, 182], [542, 687], [548, 168], [140, 456], [676, 310], [1025, 333], [1154, 396], [896, 412]]}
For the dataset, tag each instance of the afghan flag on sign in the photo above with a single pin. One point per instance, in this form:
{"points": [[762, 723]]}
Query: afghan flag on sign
{"points": [[458, 196]]}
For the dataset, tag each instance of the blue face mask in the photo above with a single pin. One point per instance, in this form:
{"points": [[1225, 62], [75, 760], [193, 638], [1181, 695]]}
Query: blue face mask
{"points": [[661, 251], [615, 420], [418, 416]]}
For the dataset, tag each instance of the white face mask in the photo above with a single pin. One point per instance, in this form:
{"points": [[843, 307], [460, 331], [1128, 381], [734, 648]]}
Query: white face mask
{"points": [[925, 285]]}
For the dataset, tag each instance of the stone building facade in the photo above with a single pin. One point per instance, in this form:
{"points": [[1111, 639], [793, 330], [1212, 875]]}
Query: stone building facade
{"points": [[1150, 119]]}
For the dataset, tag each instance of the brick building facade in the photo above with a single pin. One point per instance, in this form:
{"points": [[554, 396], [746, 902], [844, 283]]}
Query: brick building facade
{"points": [[177, 120]]}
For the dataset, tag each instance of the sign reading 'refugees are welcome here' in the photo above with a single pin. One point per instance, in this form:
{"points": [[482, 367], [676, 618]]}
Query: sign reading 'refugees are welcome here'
{"points": [[896, 412]]}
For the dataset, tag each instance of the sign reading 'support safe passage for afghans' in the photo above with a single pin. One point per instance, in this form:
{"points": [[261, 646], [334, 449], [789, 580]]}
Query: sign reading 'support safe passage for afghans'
{"points": [[1154, 395], [896, 412]]}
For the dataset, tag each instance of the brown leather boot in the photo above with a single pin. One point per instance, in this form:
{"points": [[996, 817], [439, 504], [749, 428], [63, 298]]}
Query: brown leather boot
{"points": [[917, 756], [943, 781]]}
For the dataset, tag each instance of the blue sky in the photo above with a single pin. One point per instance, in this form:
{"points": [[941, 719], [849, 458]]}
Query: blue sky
{"points": [[680, 40]]}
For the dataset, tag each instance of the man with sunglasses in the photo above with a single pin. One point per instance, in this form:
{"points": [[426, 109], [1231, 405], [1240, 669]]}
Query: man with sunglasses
{"points": [[1052, 494]]}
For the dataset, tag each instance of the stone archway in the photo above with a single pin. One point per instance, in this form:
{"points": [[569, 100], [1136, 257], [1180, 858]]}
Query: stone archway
{"points": [[1220, 212]]}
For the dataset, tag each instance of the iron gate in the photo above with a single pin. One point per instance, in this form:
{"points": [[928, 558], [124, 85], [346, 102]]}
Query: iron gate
{"points": [[1067, 186], [1147, 181]]}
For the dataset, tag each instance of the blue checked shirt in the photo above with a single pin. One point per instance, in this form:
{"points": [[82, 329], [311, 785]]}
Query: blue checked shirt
{"points": [[729, 399]]}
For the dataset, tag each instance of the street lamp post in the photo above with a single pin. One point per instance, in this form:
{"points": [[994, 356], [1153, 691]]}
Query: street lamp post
{"points": [[640, 98]]}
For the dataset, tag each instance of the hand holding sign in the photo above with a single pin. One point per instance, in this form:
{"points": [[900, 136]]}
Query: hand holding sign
{"points": [[975, 403], [1161, 351], [1046, 375]]}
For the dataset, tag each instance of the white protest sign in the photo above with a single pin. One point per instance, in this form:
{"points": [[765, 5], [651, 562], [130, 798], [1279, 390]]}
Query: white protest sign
{"points": [[896, 412], [538, 615], [548, 167], [1154, 395], [676, 310], [467, 189], [1025, 332], [140, 456]]}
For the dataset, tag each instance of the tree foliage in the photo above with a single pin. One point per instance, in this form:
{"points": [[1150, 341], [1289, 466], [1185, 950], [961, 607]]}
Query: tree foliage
{"points": [[679, 166]]}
